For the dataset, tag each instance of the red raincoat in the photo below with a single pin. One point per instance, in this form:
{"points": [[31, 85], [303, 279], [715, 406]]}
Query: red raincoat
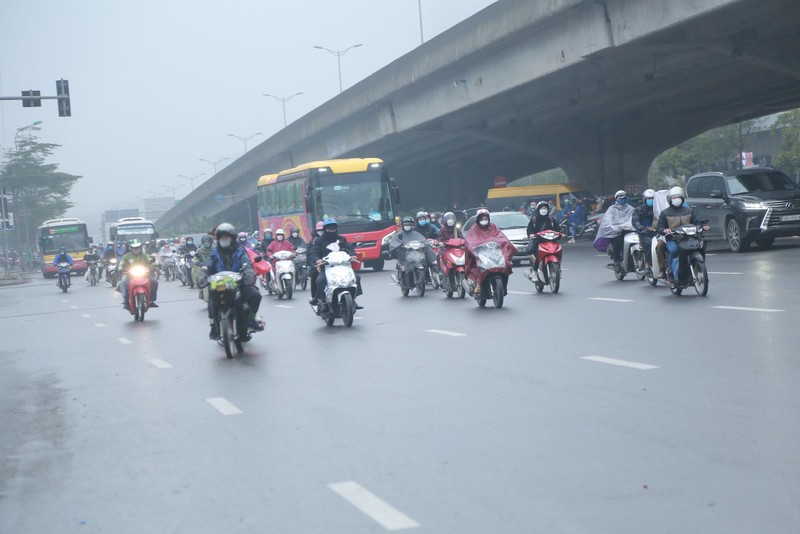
{"points": [[475, 237]]}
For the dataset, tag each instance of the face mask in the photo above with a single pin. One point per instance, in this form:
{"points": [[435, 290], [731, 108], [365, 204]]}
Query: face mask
{"points": [[330, 232], [676, 202], [279, 238], [224, 243], [268, 237], [295, 234], [622, 200], [407, 227], [544, 212], [649, 201], [451, 223], [484, 223], [423, 222], [320, 232]]}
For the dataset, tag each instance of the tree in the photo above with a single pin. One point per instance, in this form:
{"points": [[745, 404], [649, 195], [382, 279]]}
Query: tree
{"points": [[39, 191], [788, 157]]}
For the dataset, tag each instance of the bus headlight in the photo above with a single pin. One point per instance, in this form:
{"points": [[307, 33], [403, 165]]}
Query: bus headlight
{"points": [[387, 238]]}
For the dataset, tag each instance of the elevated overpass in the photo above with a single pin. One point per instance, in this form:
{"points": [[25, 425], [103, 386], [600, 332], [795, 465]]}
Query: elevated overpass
{"points": [[597, 87]]}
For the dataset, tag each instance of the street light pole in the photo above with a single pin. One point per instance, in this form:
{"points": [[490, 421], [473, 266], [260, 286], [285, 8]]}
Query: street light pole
{"points": [[173, 189], [283, 100], [421, 38], [245, 139], [191, 178], [19, 130], [214, 163], [339, 54]]}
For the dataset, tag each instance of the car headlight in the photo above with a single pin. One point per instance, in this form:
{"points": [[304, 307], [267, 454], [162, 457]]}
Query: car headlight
{"points": [[753, 206]]}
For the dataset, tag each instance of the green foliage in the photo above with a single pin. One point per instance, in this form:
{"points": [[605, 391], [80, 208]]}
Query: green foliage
{"points": [[788, 157], [40, 191], [552, 176]]}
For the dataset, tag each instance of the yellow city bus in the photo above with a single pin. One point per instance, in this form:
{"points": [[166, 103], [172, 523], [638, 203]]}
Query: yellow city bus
{"points": [[69, 233], [357, 192], [513, 198]]}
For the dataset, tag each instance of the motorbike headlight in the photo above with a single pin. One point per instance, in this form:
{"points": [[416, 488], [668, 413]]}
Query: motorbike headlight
{"points": [[138, 271], [458, 260]]}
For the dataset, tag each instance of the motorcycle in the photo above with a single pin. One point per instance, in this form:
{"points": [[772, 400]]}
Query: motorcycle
{"points": [[64, 282], [168, 265], [283, 274], [412, 268], [492, 279], [691, 259], [632, 256], [340, 291], [301, 267], [92, 265], [184, 272], [112, 276], [549, 253], [589, 228], [231, 310], [433, 275], [451, 260], [138, 291]]}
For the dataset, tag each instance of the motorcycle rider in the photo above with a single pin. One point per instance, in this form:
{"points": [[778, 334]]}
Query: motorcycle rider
{"points": [[674, 216], [279, 243], [330, 241], [201, 256], [92, 255], [295, 239], [228, 255], [482, 231], [267, 240], [407, 234], [425, 228], [449, 229], [319, 230], [60, 257], [136, 257], [541, 220], [612, 230], [644, 222], [189, 246]]}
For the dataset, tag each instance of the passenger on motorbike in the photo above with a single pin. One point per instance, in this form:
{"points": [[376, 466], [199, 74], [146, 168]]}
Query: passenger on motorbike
{"points": [[541, 220], [330, 241], [615, 224], [482, 232], [295, 239], [435, 220], [645, 224], [265, 243], [674, 216], [425, 228], [449, 229], [230, 256], [136, 257]]}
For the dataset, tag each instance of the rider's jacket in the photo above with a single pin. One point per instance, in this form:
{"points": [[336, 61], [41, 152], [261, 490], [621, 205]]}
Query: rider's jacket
{"points": [[109, 253], [202, 255], [428, 231], [130, 259], [91, 257], [540, 223], [297, 241], [187, 248], [276, 246], [644, 216], [450, 232], [228, 260], [672, 217], [320, 247], [63, 257]]}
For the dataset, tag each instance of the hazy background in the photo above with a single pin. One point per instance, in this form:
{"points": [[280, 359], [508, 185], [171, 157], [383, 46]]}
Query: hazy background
{"points": [[157, 85]]}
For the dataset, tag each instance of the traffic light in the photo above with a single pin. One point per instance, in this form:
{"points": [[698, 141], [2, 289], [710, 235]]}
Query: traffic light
{"points": [[62, 91], [31, 102]]}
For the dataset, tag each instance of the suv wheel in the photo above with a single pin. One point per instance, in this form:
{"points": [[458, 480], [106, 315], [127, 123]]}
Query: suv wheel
{"points": [[736, 242]]}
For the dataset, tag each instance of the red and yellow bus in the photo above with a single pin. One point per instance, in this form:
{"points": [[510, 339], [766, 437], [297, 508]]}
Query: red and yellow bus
{"points": [[69, 233], [357, 192]]}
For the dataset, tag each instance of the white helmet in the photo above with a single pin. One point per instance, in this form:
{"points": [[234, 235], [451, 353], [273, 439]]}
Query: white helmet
{"points": [[648, 193], [620, 193], [279, 231], [676, 192]]}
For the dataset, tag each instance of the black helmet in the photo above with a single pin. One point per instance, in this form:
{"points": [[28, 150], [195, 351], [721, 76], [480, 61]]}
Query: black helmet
{"points": [[224, 229], [408, 220], [206, 240]]}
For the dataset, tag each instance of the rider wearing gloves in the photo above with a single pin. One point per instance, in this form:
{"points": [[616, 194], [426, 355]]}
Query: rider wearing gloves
{"points": [[541, 220], [330, 241], [136, 257], [674, 216], [230, 256]]}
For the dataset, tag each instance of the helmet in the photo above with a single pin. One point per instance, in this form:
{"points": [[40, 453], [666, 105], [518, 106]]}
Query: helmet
{"points": [[421, 215], [241, 237], [206, 240], [135, 243], [225, 229], [541, 204], [63, 250], [280, 231], [294, 230], [330, 221], [319, 226], [267, 230], [189, 238], [481, 212], [676, 192], [620, 193], [648, 193], [449, 219], [408, 220]]}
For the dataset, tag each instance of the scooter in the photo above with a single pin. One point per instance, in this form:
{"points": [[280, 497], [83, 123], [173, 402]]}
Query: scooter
{"points": [[231, 310], [138, 291], [691, 259], [301, 267], [283, 274], [433, 275], [412, 268], [92, 265], [340, 291], [183, 271], [64, 282], [632, 256], [112, 276], [492, 278], [451, 259], [549, 253]]}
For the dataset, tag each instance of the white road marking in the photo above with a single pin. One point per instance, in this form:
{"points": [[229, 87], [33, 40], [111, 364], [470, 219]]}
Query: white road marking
{"points": [[446, 333], [124, 340], [720, 272], [100, 325], [224, 406], [357, 317], [161, 364], [74, 307], [284, 306], [86, 316], [520, 293], [606, 255], [376, 509], [610, 300], [622, 363], [739, 308], [64, 300]]}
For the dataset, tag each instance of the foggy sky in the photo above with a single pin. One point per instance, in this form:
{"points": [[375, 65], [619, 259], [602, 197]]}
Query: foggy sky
{"points": [[157, 84]]}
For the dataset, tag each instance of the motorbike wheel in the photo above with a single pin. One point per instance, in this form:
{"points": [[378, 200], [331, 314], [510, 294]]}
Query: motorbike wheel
{"points": [[419, 276], [497, 292], [638, 263], [675, 290], [651, 278], [228, 340], [329, 319], [288, 288], [554, 274], [460, 290], [64, 285], [700, 276], [619, 274], [434, 278], [348, 309], [140, 307], [303, 281]]}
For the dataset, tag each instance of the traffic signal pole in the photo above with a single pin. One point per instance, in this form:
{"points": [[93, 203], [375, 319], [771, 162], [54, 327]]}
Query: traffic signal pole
{"points": [[33, 99]]}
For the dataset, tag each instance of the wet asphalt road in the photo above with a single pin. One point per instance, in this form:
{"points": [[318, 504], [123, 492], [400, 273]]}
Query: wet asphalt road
{"points": [[428, 415]]}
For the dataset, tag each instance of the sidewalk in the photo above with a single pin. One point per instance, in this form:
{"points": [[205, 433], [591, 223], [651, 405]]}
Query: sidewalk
{"points": [[14, 278]]}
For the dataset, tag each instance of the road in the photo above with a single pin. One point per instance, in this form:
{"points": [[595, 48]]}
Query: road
{"points": [[428, 415]]}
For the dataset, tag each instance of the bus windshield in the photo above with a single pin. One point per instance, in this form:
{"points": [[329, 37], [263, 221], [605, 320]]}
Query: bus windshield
{"points": [[73, 237], [354, 197], [142, 231]]}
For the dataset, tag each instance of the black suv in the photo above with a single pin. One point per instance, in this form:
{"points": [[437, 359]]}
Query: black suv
{"points": [[746, 206]]}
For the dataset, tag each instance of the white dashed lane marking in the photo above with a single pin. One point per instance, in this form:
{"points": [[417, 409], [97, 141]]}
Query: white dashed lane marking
{"points": [[86, 316], [284, 306], [740, 308], [621, 363], [100, 325], [610, 300], [74, 307], [223, 406], [721, 273], [375, 508], [446, 333], [124, 340], [161, 364]]}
